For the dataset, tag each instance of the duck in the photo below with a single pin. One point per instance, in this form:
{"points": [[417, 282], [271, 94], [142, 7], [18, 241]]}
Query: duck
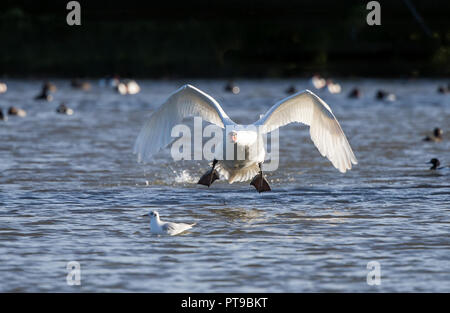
{"points": [[291, 89], [333, 87], [435, 163], [3, 87], [3, 117], [159, 227], [128, 87], [384, 95], [17, 111], [436, 137], [355, 93], [78, 84], [443, 89], [63, 109], [318, 82], [109, 81], [242, 145], [47, 88], [232, 87]]}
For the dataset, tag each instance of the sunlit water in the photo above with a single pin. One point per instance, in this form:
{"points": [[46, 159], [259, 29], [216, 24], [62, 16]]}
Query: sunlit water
{"points": [[71, 190]]}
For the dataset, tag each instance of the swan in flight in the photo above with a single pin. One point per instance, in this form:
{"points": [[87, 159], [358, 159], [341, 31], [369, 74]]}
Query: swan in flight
{"points": [[303, 107]]}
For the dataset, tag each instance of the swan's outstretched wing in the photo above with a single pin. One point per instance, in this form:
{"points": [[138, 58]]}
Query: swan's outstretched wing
{"points": [[326, 133], [186, 101]]}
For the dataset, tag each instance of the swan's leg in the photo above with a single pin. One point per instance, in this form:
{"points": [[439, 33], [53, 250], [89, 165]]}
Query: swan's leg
{"points": [[210, 176], [260, 182]]}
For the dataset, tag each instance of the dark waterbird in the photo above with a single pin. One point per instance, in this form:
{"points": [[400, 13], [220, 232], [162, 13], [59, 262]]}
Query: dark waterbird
{"points": [[384, 95], [436, 137], [444, 89], [79, 84], [435, 163], [3, 117], [291, 89], [63, 109], [16, 111], [47, 88], [232, 87], [355, 93]]}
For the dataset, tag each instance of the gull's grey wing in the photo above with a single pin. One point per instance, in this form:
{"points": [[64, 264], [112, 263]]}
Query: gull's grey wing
{"points": [[174, 228], [169, 227]]}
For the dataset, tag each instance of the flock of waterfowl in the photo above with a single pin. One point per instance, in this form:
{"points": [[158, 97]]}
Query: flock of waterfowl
{"points": [[123, 87], [130, 87], [382, 95], [319, 82]]}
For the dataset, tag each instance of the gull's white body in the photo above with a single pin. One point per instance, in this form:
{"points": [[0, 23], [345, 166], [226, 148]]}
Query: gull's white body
{"points": [[159, 227], [303, 107]]}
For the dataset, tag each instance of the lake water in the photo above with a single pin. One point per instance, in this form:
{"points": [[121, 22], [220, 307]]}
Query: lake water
{"points": [[71, 190]]}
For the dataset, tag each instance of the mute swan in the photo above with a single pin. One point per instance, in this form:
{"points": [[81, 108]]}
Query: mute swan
{"points": [[303, 107]]}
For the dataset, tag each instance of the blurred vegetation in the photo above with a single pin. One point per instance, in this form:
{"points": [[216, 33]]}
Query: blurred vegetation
{"points": [[223, 39]]}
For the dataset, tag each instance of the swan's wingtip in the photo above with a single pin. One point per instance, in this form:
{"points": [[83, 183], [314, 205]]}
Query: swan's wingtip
{"points": [[187, 86]]}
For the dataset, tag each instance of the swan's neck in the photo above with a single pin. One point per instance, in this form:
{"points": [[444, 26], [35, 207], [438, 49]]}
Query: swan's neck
{"points": [[246, 137]]}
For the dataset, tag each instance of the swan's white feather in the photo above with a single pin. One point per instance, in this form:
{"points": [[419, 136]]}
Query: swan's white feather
{"points": [[184, 102], [326, 133], [239, 175]]}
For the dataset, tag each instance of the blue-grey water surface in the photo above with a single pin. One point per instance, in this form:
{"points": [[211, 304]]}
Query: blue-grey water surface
{"points": [[71, 190]]}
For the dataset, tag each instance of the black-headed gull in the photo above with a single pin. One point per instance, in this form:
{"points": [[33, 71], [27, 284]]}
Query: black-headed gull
{"points": [[159, 227], [303, 107]]}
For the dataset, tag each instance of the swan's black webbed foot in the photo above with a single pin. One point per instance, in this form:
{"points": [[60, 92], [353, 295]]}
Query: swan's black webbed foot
{"points": [[210, 176], [260, 182]]}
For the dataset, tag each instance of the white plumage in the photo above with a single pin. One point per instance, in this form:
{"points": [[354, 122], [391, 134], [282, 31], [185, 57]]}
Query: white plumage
{"points": [[159, 227], [303, 107], [326, 133], [184, 102]]}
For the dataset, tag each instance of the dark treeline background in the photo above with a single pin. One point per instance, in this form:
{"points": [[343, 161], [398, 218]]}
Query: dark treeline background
{"points": [[233, 38]]}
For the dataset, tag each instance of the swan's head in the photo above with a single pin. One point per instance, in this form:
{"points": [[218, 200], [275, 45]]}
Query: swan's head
{"points": [[435, 163], [233, 136], [242, 137]]}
